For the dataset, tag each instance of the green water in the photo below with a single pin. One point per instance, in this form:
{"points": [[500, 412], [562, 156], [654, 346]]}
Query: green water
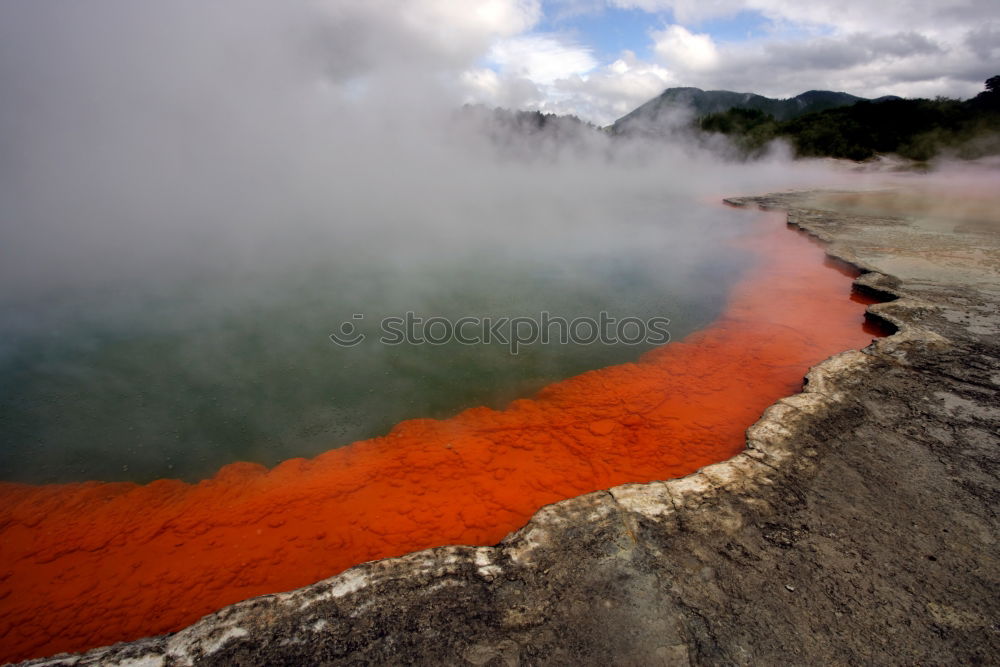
{"points": [[137, 382]]}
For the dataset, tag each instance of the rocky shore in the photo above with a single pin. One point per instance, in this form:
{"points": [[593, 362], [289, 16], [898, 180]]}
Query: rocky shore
{"points": [[859, 526]]}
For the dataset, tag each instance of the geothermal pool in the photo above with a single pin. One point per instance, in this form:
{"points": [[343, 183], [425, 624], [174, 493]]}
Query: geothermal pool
{"points": [[88, 563], [177, 378]]}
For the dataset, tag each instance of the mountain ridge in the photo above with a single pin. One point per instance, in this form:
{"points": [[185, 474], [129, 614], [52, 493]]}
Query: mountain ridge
{"points": [[662, 109]]}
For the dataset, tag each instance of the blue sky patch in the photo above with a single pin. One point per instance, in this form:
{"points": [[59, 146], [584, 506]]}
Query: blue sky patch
{"points": [[610, 31]]}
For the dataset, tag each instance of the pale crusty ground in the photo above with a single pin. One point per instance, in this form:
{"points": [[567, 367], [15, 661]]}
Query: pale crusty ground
{"points": [[860, 526]]}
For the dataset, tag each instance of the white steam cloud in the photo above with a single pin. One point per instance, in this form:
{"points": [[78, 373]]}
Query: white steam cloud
{"points": [[194, 194], [149, 138]]}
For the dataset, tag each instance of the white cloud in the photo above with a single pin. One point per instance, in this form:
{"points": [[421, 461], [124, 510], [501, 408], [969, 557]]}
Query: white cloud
{"points": [[599, 95], [612, 91], [678, 47], [414, 52], [490, 51], [485, 86], [446, 22], [370, 38], [536, 71], [929, 16], [907, 47], [845, 15], [866, 64], [684, 11], [541, 58]]}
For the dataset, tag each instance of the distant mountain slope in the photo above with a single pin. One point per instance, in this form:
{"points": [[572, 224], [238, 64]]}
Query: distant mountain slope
{"points": [[660, 111], [917, 129]]}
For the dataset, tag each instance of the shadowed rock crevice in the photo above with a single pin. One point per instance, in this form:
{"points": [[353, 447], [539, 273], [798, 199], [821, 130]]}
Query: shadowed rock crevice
{"points": [[859, 526]]}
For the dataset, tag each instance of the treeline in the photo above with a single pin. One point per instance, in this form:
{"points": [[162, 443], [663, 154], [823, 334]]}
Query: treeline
{"points": [[527, 134], [917, 129], [525, 122]]}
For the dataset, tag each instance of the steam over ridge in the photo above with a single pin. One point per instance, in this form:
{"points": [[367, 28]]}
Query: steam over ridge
{"points": [[193, 195], [163, 138]]}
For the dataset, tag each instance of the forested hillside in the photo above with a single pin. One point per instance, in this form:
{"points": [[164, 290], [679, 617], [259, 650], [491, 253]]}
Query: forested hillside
{"points": [[917, 129]]}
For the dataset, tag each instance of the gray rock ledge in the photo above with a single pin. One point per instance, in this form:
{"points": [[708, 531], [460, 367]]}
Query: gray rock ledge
{"points": [[860, 525]]}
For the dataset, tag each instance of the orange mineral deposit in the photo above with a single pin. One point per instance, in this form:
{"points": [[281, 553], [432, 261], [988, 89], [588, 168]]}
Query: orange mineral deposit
{"points": [[89, 564]]}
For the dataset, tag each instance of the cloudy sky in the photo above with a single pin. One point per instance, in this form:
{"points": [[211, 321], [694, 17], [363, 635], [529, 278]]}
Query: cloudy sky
{"points": [[600, 58], [142, 133], [595, 58]]}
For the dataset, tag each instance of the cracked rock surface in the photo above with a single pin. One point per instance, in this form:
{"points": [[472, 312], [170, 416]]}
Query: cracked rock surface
{"points": [[859, 526]]}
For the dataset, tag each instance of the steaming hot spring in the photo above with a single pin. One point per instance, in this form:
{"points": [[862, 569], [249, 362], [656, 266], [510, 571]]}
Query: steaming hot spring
{"points": [[193, 440], [187, 230]]}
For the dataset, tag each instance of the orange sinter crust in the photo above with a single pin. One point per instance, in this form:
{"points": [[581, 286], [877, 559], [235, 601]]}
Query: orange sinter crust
{"points": [[89, 564]]}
